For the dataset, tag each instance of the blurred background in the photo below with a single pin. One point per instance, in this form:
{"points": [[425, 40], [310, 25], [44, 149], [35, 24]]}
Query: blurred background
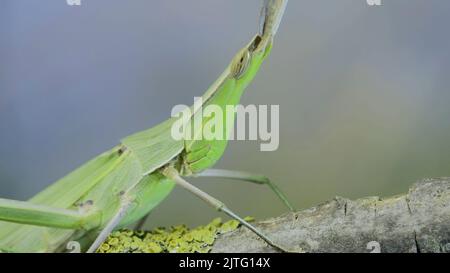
{"points": [[363, 93]]}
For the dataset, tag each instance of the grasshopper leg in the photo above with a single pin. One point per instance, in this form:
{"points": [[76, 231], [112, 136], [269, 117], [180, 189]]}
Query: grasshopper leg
{"points": [[248, 177], [125, 205], [173, 174]]}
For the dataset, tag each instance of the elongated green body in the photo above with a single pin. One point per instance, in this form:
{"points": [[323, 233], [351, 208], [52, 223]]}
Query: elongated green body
{"points": [[131, 169]]}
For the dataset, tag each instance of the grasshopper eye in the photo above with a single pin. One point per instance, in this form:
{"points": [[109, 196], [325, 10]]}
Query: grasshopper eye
{"points": [[240, 63]]}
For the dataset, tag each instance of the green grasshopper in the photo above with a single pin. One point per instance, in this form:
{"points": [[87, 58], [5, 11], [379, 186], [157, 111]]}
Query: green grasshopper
{"points": [[122, 185]]}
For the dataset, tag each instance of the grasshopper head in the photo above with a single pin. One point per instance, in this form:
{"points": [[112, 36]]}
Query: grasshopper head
{"points": [[247, 61]]}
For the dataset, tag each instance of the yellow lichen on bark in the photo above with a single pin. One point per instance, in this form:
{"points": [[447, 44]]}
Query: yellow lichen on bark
{"points": [[177, 239]]}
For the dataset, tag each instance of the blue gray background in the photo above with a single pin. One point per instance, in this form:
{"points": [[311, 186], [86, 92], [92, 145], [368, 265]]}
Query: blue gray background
{"points": [[363, 93]]}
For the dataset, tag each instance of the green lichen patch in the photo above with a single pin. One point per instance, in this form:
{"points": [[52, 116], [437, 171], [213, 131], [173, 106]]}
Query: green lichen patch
{"points": [[177, 239]]}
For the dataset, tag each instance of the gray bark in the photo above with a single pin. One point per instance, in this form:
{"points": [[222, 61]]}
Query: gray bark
{"points": [[418, 221]]}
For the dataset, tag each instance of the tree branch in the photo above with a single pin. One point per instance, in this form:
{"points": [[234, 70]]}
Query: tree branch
{"points": [[418, 221]]}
